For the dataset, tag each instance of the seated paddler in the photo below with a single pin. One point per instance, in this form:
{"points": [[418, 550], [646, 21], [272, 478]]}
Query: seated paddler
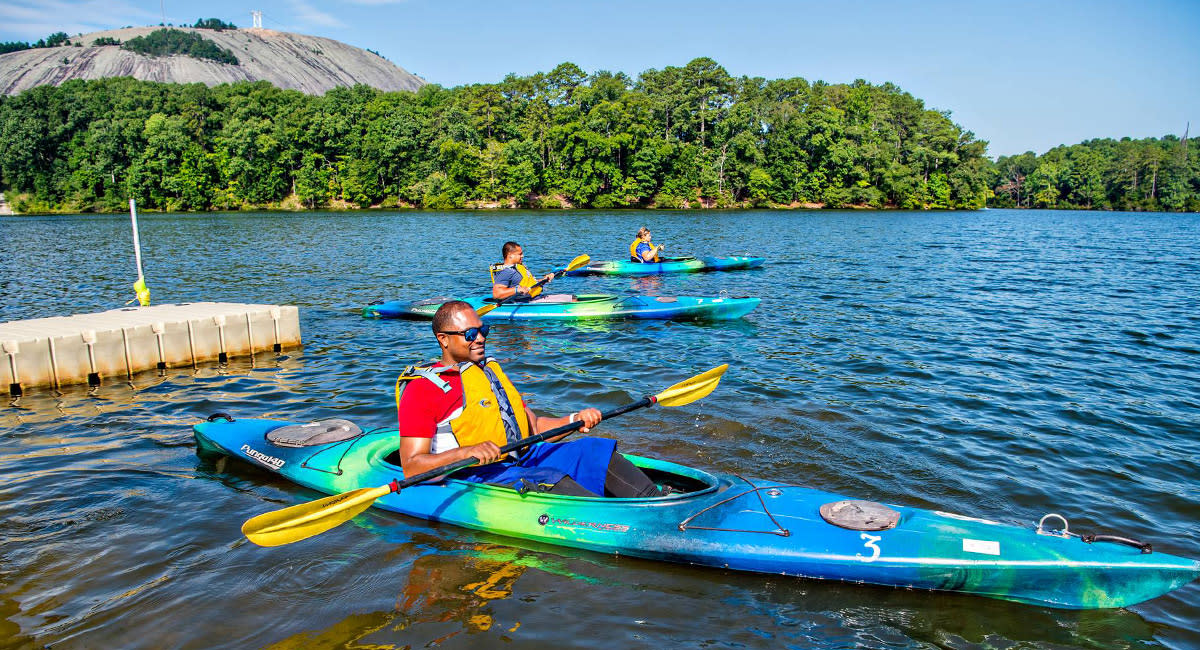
{"points": [[641, 250], [463, 406], [512, 282]]}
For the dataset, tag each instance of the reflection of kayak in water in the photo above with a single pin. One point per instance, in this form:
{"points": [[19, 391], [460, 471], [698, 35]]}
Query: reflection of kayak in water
{"points": [[731, 522], [669, 265], [583, 307], [458, 587]]}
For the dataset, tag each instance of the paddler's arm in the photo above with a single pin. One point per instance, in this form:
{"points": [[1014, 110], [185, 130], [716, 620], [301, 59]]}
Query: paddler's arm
{"points": [[652, 254], [590, 417], [416, 459], [500, 292]]}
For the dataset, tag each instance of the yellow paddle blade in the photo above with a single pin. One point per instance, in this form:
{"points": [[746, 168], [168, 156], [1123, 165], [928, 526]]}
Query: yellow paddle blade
{"points": [[690, 390], [307, 519], [582, 260]]}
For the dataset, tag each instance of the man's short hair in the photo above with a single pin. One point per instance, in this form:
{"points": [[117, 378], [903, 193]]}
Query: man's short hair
{"points": [[508, 247], [445, 313]]}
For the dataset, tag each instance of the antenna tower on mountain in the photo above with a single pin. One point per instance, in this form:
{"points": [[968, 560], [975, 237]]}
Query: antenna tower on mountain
{"points": [[257, 17], [1185, 141]]}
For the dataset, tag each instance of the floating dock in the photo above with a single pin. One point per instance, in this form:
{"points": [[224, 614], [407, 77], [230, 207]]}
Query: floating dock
{"points": [[120, 342]]}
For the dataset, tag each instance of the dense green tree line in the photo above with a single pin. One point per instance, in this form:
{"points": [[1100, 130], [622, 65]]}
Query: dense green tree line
{"points": [[214, 24], [54, 40], [1149, 174], [680, 136]]}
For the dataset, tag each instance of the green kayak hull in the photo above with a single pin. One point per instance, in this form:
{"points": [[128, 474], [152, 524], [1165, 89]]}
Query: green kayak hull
{"points": [[583, 307]]}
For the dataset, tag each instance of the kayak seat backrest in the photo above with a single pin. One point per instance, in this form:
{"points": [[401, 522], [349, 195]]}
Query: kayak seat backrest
{"points": [[677, 482], [311, 434]]}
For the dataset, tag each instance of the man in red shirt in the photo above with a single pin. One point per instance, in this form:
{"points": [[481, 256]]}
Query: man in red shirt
{"points": [[464, 406]]}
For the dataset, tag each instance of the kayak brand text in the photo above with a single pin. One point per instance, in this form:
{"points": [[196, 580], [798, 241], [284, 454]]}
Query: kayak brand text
{"points": [[575, 523], [270, 461]]}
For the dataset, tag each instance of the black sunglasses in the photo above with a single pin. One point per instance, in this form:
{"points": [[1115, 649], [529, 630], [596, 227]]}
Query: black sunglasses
{"points": [[471, 332]]}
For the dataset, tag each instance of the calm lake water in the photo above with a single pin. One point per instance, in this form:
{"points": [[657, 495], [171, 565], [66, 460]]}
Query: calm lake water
{"points": [[1001, 364]]}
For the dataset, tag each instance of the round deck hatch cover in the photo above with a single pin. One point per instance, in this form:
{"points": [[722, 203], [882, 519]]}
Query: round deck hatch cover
{"points": [[860, 515], [322, 432]]}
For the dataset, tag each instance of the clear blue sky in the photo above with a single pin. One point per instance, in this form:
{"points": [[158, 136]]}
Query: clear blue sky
{"points": [[1022, 74]]}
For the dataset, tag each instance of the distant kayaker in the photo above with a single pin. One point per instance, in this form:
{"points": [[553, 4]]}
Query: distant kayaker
{"points": [[464, 406], [510, 278], [641, 250]]}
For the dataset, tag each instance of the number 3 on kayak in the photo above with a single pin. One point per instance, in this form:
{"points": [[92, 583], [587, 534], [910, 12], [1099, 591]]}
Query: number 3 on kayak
{"points": [[870, 543]]}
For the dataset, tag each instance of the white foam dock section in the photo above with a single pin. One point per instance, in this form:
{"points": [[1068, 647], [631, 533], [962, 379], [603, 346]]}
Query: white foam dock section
{"points": [[120, 342]]}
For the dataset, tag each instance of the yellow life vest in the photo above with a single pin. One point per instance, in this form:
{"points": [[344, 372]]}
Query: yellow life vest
{"points": [[527, 279], [633, 256], [478, 417]]}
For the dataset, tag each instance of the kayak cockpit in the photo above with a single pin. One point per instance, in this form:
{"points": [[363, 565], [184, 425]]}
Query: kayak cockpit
{"points": [[682, 480]]}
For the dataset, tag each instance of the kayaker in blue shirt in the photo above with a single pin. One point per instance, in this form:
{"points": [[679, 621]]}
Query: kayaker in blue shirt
{"points": [[641, 250], [512, 281], [465, 406]]}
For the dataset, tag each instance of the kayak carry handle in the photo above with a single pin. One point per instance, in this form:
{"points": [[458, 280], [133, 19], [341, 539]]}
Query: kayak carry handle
{"points": [[1064, 533], [215, 416], [1142, 546]]}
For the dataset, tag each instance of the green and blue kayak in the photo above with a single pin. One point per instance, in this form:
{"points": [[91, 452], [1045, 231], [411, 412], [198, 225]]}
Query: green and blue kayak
{"points": [[582, 307], [669, 265], [726, 521]]}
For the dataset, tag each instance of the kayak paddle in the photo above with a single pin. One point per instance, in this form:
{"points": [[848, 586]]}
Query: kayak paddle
{"points": [[574, 264], [302, 521]]}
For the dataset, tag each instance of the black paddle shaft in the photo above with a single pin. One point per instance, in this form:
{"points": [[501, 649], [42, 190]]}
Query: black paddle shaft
{"points": [[524, 442]]}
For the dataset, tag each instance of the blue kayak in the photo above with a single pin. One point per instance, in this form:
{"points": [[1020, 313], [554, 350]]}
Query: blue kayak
{"points": [[581, 307], [726, 521], [669, 265]]}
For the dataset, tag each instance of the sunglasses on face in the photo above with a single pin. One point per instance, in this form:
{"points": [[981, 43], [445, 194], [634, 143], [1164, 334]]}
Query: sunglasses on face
{"points": [[471, 332]]}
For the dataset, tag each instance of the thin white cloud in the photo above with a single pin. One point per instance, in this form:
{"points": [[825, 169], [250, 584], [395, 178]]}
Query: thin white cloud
{"points": [[34, 19], [309, 16]]}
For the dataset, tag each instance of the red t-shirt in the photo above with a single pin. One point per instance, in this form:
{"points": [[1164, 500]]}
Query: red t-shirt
{"points": [[423, 405]]}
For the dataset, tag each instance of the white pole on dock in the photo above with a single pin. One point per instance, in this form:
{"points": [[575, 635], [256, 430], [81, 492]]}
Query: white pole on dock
{"points": [[143, 292]]}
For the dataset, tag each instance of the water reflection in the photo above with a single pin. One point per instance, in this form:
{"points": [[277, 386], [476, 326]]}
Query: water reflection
{"points": [[463, 590], [650, 285]]}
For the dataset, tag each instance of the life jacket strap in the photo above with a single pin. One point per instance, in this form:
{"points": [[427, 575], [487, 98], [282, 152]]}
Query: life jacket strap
{"points": [[496, 268], [421, 372]]}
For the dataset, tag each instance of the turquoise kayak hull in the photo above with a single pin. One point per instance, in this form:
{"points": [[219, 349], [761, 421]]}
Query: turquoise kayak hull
{"points": [[680, 265], [731, 522], [585, 307]]}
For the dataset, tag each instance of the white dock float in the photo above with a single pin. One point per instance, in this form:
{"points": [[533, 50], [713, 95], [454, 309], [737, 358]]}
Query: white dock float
{"points": [[118, 343]]}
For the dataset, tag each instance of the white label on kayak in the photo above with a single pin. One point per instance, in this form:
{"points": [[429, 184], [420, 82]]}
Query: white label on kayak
{"points": [[980, 546], [270, 461]]}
